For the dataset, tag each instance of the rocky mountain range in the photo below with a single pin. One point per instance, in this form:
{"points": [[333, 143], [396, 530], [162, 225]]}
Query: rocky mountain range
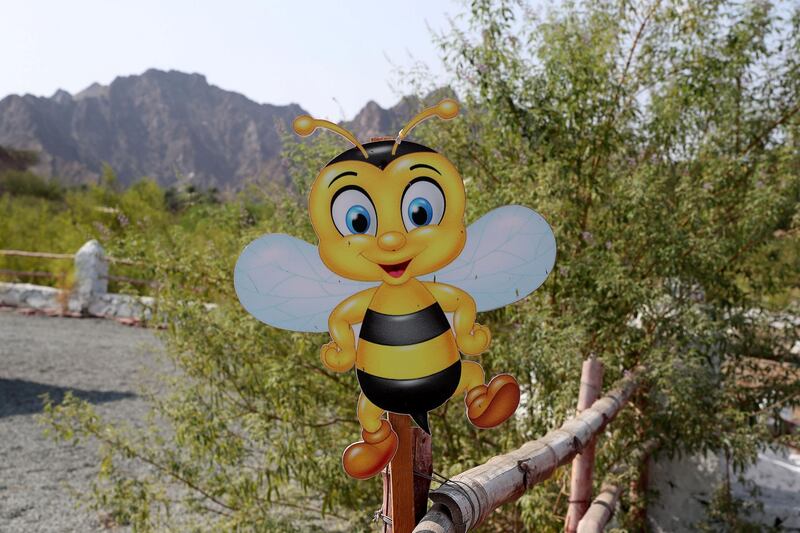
{"points": [[169, 126]]}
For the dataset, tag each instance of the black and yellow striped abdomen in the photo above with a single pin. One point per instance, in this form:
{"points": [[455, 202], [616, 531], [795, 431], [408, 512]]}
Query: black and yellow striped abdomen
{"points": [[408, 363], [406, 346]]}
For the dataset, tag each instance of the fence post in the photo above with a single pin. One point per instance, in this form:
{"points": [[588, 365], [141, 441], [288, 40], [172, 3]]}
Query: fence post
{"points": [[423, 469], [580, 493], [91, 273], [402, 490]]}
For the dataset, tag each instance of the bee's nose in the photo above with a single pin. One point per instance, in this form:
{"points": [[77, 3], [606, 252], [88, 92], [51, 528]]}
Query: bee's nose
{"points": [[392, 240]]}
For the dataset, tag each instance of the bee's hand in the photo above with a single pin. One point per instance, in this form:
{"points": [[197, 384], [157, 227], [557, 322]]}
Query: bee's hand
{"points": [[476, 341], [336, 358]]}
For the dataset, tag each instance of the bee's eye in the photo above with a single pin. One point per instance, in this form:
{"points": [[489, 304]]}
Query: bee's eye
{"points": [[422, 204], [420, 212], [357, 219], [353, 213]]}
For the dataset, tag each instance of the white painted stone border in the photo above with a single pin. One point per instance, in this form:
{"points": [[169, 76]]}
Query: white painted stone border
{"points": [[108, 305]]}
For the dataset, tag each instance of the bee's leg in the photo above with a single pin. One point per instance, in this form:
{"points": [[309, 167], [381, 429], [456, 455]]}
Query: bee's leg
{"points": [[369, 414], [487, 405], [369, 456], [471, 377]]}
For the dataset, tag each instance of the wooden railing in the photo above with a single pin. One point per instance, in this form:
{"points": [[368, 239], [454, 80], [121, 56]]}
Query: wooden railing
{"points": [[467, 499], [40, 255], [88, 293], [70, 257], [31, 273], [51, 255], [34, 273]]}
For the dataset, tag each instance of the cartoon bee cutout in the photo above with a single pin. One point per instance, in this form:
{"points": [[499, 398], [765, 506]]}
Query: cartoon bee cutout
{"points": [[397, 280]]}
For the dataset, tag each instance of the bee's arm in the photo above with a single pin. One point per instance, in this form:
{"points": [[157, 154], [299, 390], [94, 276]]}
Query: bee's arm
{"points": [[340, 354], [471, 337], [350, 311]]}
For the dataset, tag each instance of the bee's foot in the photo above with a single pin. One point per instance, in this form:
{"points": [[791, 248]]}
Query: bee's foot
{"points": [[489, 406], [364, 459]]}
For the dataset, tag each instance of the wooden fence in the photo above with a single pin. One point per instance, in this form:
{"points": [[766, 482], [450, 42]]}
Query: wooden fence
{"points": [[87, 294], [464, 501], [70, 257]]}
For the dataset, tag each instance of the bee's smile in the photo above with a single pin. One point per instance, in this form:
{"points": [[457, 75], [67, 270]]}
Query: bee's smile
{"points": [[396, 270]]}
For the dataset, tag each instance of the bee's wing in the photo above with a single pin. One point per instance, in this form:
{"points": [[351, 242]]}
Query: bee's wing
{"points": [[509, 253], [282, 281]]}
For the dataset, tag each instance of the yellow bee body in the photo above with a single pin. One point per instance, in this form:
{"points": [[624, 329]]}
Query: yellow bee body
{"points": [[407, 360], [412, 352]]}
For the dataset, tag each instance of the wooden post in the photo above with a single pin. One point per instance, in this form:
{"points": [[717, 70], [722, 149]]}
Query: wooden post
{"points": [[418, 443], [423, 464], [398, 490], [580, 493]]}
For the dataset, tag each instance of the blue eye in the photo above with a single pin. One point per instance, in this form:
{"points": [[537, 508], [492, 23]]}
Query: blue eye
{"points": [[357, 219], [353, 213], [422, 204], [420, 212]]}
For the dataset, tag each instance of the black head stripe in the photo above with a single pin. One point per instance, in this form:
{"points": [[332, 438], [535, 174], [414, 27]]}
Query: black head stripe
{"points": [[380, 153]]}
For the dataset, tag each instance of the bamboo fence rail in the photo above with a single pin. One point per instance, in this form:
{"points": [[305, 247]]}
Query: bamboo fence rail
{"points": [[467, 499], [41, 255], [602, 509], [132, 281], [31, 273], [51, 255]]}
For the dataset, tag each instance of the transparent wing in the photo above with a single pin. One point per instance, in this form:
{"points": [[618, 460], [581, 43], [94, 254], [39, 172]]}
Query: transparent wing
{"points": [[509, 253], [282, 281]]}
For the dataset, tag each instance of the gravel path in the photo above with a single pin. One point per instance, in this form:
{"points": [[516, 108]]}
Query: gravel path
{"points": [[100, 361]]}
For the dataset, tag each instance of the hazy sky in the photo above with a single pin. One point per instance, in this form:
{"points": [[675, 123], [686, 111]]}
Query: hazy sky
{"points": [[307, 52]]}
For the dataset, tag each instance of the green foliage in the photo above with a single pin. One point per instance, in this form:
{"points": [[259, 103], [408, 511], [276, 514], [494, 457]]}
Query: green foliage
{"points": [[25, 183], [252, 415], [40, 216], [661, 143]]}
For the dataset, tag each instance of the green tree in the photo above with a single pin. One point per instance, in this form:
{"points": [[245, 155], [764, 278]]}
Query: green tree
{"points": [[660, 140]]}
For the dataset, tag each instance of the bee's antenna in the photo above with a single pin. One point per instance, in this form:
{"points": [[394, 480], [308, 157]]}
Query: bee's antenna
{"points": [[446, 109], [304, 125]]}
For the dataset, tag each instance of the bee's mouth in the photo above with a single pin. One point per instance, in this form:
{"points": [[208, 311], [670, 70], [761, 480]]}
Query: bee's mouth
{"points": [[396, 270]]}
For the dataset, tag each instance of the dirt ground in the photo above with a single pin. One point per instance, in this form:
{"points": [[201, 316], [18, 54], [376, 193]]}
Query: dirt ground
{"points": [[100, 361]]}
